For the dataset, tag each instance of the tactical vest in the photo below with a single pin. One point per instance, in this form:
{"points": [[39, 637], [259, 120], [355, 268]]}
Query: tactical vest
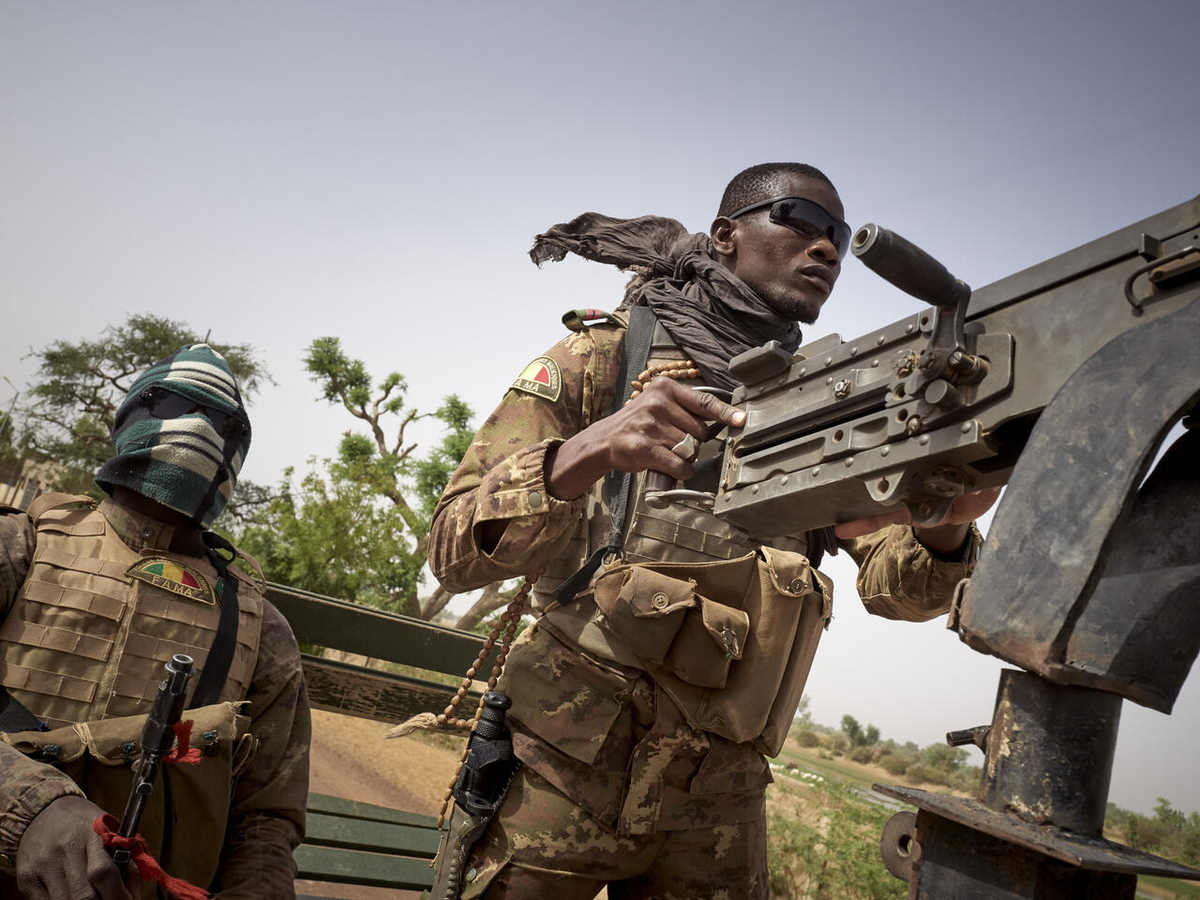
{"points": [[793, 598], [85, 640], [83, 648]]}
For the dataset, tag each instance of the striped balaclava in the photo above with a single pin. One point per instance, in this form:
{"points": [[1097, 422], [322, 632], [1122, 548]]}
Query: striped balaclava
{"points": [[181, 435]]}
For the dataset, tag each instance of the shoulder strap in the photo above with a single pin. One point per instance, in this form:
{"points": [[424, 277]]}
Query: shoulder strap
{"points": [[220, 654], [619, 485], [45, 502]]}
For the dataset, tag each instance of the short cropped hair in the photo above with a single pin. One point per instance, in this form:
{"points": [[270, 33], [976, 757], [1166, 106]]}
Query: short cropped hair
{"points": [[764, 181]]}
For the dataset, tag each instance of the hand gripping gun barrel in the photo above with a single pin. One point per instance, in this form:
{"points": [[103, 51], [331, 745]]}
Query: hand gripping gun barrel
{"points": [[943, 401], [158, 737]]}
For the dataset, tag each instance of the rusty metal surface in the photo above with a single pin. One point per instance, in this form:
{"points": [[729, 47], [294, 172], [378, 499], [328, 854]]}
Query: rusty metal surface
{"points": [[1050, 752], [958, 863], [1064, 846], [1140, 625], [1075, 479], [898, 844]]}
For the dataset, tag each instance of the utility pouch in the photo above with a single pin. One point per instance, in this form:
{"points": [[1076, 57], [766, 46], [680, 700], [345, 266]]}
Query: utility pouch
{"points": [[730, 641], [669, 625], [192, 806]]}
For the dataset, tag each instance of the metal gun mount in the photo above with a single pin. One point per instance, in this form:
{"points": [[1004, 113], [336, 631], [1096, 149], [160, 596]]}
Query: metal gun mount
{"points": [[1060, 381], [943, 401]]}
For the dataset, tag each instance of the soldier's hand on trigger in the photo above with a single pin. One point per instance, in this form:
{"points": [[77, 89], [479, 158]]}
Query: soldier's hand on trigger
{"points": [[639, 437], [60, 856]]}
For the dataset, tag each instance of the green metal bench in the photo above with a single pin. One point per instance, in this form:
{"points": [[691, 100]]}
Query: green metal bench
{"points": [[359, 843], [365, 630]]}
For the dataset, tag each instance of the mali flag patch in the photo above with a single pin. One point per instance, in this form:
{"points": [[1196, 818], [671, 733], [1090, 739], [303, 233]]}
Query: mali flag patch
{"points": [[542, 378], [173, 576]]}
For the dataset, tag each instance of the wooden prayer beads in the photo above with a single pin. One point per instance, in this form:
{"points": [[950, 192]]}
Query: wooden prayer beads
{"points": [[506, 623], [678, 369]]}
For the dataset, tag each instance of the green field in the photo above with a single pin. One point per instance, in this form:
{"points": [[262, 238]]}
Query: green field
{"points": [[841, 770]]}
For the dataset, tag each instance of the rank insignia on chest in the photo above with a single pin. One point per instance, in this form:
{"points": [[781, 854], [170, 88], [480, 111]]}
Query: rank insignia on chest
{"points": [[173, 576], [541, 378]]}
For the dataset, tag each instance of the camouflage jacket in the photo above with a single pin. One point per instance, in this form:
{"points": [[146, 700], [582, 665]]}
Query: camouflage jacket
{"points": [[266, 815], [598, 732]]}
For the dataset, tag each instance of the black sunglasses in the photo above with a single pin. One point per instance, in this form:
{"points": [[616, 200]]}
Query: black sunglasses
{"points": [[806, 218], [164, 404]]}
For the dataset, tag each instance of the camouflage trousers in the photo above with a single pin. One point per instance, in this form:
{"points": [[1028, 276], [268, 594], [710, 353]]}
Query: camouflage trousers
{"points": [[541, 845]]}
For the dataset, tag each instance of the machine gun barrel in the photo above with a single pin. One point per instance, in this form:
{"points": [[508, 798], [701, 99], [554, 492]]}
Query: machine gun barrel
{"points": [[940, 402], [158, 737]]}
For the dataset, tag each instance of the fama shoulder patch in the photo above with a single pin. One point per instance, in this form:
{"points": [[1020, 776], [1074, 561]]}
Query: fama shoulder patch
{"points": [[542, 378]]}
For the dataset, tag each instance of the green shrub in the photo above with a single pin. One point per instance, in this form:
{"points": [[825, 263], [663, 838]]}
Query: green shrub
{"points": [[806, 737], [823, 844], [894, 763], [862, 755], [918, 772]]}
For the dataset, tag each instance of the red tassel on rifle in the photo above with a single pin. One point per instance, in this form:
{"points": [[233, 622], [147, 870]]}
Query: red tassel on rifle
{"points": [[148, 868], [181, 753]]}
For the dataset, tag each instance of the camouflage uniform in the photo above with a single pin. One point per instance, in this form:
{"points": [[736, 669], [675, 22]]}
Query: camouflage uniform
{"points": [[239, 813], [614, 775]]}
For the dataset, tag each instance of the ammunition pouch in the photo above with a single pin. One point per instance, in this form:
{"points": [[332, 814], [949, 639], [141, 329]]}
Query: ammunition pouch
{"points": [[731, 641], [189, 809]]}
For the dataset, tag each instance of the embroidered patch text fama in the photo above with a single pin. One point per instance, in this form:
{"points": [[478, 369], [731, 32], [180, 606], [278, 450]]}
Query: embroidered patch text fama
{"points": [[542, 378], [173, 576]]}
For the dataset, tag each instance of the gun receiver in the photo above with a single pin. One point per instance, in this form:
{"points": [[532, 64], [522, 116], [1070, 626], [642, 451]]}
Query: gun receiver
{"points": [[942, 401], [157, 739]]}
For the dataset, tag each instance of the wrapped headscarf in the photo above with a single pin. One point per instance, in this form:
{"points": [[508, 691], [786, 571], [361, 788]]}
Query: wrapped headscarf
{"points": [[184, 462], [709, 312]]}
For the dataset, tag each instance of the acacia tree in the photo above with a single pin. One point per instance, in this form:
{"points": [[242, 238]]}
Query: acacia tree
{"points": [[73, 397], [358, 527]]}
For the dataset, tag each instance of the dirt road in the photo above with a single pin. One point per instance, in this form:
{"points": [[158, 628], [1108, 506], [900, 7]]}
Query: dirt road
{"points": [[351, 759]]}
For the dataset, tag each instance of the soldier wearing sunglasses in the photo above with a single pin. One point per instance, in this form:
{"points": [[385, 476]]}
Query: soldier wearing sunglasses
{"points": [[94, 599], [623, 783]]}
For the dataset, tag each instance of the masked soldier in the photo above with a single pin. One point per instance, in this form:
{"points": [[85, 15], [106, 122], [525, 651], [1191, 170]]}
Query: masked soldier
{"points": [[666, 662], [94, 599]]}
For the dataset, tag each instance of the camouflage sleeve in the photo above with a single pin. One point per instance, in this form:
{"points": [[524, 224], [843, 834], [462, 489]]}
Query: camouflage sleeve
{"points": [[28, 787], [266, 819], [899, 578], [17, 540], [502, 476]]}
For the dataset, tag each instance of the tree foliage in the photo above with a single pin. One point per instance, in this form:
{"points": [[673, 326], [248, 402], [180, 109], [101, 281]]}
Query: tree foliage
{"points": [[1169, 832], [859, 736], [73, 398], [357, 525]]}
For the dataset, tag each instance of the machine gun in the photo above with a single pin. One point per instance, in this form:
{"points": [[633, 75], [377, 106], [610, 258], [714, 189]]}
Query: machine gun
{"points": [[943, 401], [1060, 381]]}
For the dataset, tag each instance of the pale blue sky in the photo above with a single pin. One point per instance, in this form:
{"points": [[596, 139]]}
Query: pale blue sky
{"points": [[376, 170]]}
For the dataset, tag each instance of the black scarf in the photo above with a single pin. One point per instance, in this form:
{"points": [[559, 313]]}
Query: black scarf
{"points": [[709, 312]]}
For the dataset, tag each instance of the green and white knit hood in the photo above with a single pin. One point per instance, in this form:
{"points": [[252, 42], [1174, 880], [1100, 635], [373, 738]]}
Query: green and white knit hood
{"points": [[183, 463]]}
